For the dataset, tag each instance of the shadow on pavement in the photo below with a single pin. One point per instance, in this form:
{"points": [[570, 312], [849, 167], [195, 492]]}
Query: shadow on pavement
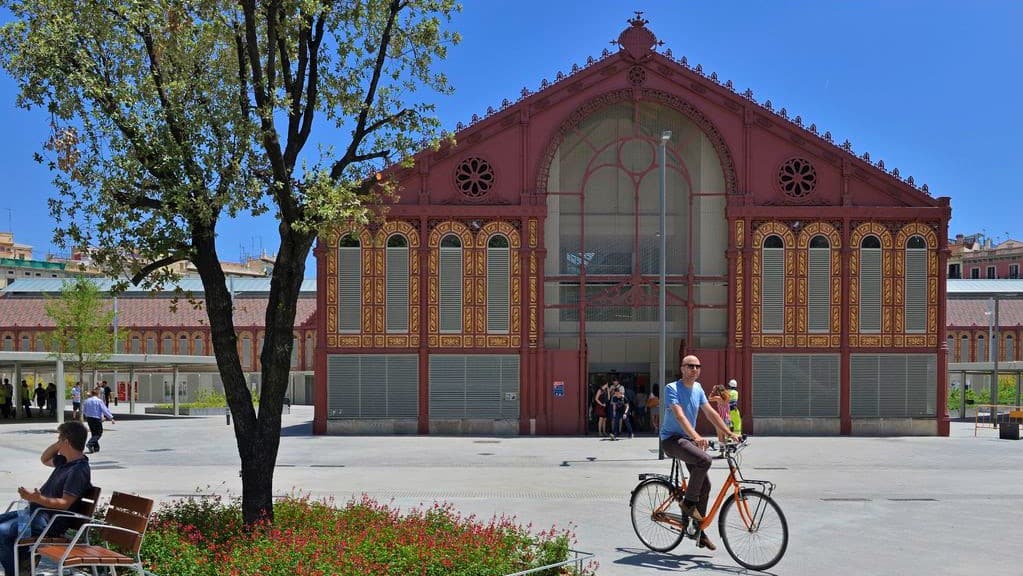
{"points": [[303, 429], [670, 562]]}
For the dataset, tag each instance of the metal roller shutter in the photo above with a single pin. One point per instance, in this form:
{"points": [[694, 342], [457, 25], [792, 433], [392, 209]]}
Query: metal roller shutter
{"points": [[773, 290], [795, 385], [372, 386], [870, 290], [819, 290], [916, 290], [893, 385], [474, 386], [350, 287], [498, 298]]}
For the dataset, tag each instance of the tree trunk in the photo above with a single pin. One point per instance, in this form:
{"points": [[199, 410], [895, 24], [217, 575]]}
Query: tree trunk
{"points": [[258, 438]]}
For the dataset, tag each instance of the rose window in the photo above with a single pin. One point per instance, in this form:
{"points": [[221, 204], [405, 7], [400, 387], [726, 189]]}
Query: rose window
{"points": [[797, 178], [474, 177]]}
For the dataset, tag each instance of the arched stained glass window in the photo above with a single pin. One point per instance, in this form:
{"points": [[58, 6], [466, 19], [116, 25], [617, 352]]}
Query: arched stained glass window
{"points": [[450, 284], [772, 286], [870, 284], [818, 278]]}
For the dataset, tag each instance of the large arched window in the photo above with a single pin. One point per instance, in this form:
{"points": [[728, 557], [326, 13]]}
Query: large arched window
{"points": [[870, 284], [603, 214], [772, 300], [349, 284], [397, 283], [498, 280], [916, 284], [819, 285], [450, 284]]}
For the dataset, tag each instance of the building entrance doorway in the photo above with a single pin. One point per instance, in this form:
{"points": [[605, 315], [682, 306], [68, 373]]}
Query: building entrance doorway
{"points": [[635, 379]]}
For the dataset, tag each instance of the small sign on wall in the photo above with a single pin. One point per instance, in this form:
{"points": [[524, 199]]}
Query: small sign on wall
{"points": [[559, 389]]}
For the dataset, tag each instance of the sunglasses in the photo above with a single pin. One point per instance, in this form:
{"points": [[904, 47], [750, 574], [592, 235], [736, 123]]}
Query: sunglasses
{"points": [[693, 366]]}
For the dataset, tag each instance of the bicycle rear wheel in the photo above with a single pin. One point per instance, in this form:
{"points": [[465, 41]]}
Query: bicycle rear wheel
{"points": [[646, 499], [753, 530]]}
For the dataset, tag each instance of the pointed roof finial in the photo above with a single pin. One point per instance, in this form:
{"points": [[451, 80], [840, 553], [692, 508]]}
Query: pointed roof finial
{"points": [[637, 41]]}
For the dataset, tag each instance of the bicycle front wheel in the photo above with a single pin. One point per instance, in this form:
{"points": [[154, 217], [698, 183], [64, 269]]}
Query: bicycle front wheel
{"points": [[753, 530], [647, 498]]}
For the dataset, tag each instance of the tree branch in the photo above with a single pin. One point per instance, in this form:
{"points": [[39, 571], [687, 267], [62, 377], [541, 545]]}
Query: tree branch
{"points": [[138, 202], [360, 128], [149, 268]]}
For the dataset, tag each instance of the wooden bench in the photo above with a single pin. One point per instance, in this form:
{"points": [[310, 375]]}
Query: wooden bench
{"points": [[123, 528]]}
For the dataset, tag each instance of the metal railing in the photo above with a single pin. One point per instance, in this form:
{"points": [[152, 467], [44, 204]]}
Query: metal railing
{"points": [[578, 558]]}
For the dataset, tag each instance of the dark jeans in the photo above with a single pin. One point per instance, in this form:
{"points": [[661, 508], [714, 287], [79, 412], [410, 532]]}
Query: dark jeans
{"points": [[9, 535], [697, 463], [95, 431], [617, 417]]}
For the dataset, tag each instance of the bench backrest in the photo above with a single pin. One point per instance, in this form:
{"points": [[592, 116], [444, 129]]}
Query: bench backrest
{"points": [[131, 512], [85, 505]]}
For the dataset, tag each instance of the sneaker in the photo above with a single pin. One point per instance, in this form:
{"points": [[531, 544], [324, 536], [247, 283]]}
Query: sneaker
{"points": [[706, 542], [691, 509]]}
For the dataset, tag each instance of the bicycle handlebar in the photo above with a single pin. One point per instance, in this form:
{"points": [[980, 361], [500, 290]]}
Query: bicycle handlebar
{"points": [[729, 445]]}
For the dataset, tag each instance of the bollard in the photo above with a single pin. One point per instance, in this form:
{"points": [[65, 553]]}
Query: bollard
{"points": [[227, 414]]}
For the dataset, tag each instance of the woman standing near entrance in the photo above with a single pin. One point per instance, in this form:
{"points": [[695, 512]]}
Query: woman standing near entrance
{"points": [[600, 407]]}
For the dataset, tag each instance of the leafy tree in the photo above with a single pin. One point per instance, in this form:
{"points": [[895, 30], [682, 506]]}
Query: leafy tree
{"points": [[169, 116], [84, 333]]}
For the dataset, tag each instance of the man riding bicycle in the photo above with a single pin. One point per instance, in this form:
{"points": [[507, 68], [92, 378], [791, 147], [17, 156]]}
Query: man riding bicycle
{"points": [[680, 440]]}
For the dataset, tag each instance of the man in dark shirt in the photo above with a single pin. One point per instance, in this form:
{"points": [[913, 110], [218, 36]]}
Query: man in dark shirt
{"points": [[71, 477]]}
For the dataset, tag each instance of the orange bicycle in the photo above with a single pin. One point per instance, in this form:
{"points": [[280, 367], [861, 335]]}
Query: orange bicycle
{"points": [[752, 526]]}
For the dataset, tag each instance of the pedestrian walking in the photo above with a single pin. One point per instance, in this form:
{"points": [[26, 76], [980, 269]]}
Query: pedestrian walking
{"points": [[95, 412]]}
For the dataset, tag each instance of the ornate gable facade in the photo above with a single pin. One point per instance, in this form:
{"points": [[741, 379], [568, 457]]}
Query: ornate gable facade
{"points": [[529, 263]]}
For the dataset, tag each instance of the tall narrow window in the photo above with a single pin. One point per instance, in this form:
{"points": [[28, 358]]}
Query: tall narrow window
{"points": [[818, 278], [498, 281], [183, 344], [294, 351], [26, 343], [397, 283], [198, 348], [950, 340], [1010, 348], [40, 342], [982, 355], [870, 284], [246, 352], [136, 345], [168, 344], [964, 348], [450, 284], [150, 344], [772, 299], [916, 284], [350, 284], [309, 347]]}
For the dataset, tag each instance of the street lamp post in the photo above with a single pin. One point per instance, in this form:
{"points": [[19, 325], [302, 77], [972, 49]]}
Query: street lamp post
{"points": [[662, 294]]}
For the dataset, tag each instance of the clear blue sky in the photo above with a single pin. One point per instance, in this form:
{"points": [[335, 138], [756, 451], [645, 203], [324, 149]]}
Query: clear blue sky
{"points": [[932, 87]]}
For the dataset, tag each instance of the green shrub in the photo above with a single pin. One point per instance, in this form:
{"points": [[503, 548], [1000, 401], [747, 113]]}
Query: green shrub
{"points": [[205, 536]]}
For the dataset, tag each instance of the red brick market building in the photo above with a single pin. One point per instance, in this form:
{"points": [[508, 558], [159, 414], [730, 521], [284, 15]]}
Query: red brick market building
{"points": [[519, 268]]}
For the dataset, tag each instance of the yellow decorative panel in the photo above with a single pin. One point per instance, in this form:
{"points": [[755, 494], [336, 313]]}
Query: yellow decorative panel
{"points": [[351, 341], [900, 341], [367, 341], [817, 341], [886, 340], [433, 340], [916, 340], [397, 341], [773, 341], [450, 341], [332, 340], [498, 341], [516, 341], [481, 341], [801, 341], [379, 341], [874, 341], [533, 226]]}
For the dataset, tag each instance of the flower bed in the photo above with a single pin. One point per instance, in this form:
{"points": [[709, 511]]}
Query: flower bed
{"points": [[205, 536]]}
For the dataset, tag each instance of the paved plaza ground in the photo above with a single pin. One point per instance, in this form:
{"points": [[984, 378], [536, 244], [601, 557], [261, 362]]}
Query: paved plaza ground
{"points": [[854, 505]]}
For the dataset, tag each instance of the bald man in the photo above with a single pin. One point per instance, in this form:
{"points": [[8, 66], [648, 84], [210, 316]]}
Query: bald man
{"points": [[683, 400]]}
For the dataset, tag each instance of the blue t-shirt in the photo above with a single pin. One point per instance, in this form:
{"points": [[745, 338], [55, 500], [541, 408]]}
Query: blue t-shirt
{"points": [[690, 399]]}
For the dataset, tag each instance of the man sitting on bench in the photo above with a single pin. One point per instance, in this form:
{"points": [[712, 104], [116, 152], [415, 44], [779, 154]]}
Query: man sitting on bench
{"points": [[71, 477]]}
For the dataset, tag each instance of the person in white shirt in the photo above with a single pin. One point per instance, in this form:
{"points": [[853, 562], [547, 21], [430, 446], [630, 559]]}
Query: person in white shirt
{"points": [[95, 412]]}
